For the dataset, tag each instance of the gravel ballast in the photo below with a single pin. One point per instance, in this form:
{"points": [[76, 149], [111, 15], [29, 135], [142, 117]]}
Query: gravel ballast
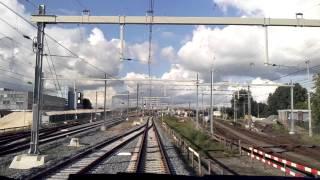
{"points": [[180, 168], [58, 150]]}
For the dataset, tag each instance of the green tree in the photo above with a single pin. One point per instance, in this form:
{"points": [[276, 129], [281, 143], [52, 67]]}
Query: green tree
{"points": [[86, 104], [242, 104], [315, 98], [281, 98]]}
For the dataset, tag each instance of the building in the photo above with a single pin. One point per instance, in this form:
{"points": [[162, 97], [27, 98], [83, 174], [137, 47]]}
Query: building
{"points": [[19, 100], [75, 99], [299, 115]]}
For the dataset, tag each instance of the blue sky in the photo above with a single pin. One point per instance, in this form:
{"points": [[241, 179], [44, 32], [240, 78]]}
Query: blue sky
{"points": [[162, 35], [193, 47]]}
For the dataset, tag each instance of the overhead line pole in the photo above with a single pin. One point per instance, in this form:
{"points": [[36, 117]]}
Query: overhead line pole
{"points": [[34, 144], [197, 108], [291, 115], [137, 99], [104, 105], [309, 101], [211, 103]]}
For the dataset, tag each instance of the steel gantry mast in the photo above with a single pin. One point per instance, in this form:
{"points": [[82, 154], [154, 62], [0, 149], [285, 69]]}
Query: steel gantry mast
{"points": [[42, 19], [36, 119]]}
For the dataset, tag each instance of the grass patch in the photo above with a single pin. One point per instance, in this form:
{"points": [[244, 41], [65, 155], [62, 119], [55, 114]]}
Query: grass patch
{"points": [[200, 140], [279, 128]]}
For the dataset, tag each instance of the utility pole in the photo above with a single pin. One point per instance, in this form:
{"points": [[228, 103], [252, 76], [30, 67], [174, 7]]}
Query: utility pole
{"points": [[96, 105], [291, 115], [37, 91], [128, 106], [211, 103], [202, 93], [137, 98], [258, 111], [309, 101], [197, 108], [75, 99], [249, 102], [142, 103], [234, 108], [244, 108], [104, 104]]}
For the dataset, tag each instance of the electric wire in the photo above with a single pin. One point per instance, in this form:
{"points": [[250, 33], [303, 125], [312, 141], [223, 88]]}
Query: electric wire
{"points": [[57, 42]]}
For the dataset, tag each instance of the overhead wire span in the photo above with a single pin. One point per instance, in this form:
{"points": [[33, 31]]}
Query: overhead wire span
{"points": [[53, 66], [57, 42]]}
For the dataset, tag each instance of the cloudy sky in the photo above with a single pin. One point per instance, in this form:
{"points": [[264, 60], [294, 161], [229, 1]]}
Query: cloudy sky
{"points": [[236, 53]]}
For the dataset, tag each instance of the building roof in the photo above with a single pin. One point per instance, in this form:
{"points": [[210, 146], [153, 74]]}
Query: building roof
{"points": [[78, 111]]}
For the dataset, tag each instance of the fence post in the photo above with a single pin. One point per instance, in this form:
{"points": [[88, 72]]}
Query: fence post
{"points": [[209, 167], [251, 156], [199, 164], [239, 145], [192, 160]]}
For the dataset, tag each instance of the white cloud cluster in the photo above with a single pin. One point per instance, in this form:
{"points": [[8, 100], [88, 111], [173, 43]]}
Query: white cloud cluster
{"points": [[92, 46], [272, 8], [240, 51]]}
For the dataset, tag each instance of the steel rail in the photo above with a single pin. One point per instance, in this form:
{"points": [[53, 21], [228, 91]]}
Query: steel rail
{"points": [[23, 145], [61, 165]]}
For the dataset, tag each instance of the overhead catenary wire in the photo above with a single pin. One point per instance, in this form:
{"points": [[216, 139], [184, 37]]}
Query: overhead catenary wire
{"points": [[52, 64], [57, 42]]}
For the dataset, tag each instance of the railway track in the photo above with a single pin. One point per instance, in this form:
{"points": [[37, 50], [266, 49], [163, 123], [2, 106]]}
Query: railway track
{"points": [[20, 144], [266, 150], [85, 161], [152, 157], [7, 138]]}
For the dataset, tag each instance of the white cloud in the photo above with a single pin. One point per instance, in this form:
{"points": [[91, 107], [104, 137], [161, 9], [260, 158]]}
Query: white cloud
{"points": [[93, 46], [96, 37], [100, 96], [168, 53], [273, 8], [234, 48], [261, 93]]}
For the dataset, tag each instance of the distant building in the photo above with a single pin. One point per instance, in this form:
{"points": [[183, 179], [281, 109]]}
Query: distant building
{"points": [[75, 99], [19, 100], [299, 115]]}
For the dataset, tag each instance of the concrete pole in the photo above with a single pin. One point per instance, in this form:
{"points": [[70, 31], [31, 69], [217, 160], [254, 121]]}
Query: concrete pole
{"points": [[249, 101], [128, 106], [258, 111], [202, 93], [234, 108], [142, 103], [121, 42], [197, 106], [137, 98], [34, 149], [309, 101], [75, 99], [96, 105], [103, 127], [291, 115], [211, 103], [244, 108]]}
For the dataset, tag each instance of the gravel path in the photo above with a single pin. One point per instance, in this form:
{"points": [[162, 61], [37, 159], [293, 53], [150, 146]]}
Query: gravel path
{"points": [[180, 168]]}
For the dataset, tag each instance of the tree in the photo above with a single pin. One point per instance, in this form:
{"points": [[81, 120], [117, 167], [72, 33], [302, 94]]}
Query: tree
{"points": [[315, 99], [242, 105], [86, 103], [281, 98]]}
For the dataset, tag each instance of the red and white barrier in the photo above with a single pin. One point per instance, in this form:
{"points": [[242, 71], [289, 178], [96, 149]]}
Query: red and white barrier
{"points": [[283, 169], [288, 163]]}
